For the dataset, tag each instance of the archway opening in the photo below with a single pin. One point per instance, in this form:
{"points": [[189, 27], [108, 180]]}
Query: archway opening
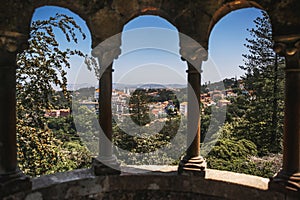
{"points": [[47, 139], [241, 46], [149, 99]]}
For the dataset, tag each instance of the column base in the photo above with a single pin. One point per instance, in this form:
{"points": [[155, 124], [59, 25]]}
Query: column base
{"points": [[13, 183], [106, 166], [192, 166], [287, 183]]}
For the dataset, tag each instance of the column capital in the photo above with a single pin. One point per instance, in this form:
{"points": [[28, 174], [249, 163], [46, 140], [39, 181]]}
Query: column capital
{"points": [[192, 69], [287, 182], [287, 45], [107, 51], [13, 42], [192, 52]]}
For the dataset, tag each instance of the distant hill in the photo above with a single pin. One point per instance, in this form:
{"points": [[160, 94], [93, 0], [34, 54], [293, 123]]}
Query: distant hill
{"points": [[150, 85], [73, 87], [226, 83], [221, 85]]}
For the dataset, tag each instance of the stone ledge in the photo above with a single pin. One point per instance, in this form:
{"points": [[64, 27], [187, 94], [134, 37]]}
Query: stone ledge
{"points": [[150, 181], [211, 174]]}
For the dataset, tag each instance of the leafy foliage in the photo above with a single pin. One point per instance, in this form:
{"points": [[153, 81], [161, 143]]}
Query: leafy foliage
{"points": [[236, 154], [87, 126], [139, 109], [37, 150], [144, 147], [41, 67], [254, 121], [265, 77]]}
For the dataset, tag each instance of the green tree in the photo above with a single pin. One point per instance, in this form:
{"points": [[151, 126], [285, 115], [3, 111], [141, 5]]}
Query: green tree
{"points": [[87, 127], [264, 80], [236, 154], [254, 119], [41, 67], [143, 148], [139, 109]]}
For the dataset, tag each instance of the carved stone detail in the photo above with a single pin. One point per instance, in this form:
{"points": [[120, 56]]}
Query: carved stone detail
{"points": [[106, 166], [287, 45], [108, 50], [192, 166], [287, 181], [14, 182], [192, 52], [13, 41]]}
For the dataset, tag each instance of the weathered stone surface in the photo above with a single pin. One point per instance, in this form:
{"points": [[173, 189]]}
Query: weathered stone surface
{"points": [[106, 167], [196, 19], [156, 184], [106, 18], [126, 8]]}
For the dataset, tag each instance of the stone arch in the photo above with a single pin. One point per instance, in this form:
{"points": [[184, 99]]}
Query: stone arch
{"points": [[285, 17], [226, 9], [96, 15], [62, 6], [120, 18], [151, 11], [82, 44]]}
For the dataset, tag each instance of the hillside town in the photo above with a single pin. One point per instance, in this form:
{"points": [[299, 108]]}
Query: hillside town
{"points": [[158, 107]]}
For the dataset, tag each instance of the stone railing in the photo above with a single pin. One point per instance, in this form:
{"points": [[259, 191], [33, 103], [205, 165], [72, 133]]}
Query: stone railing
{"points": [[149, 182]]}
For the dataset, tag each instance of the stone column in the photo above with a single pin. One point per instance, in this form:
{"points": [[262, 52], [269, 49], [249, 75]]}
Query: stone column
{"points": [[106, 163], [192, 163], [11, 178], [289, 177]]}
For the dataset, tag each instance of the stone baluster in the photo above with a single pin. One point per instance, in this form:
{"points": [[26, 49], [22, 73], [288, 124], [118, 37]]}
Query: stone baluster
{"points": [[289, 177], [11, 177], [106, 163]]}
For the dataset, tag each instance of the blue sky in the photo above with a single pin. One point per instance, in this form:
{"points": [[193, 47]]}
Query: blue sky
{"points": [[152, 54]]}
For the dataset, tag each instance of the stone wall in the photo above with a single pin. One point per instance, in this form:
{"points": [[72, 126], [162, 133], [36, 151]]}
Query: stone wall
{"points": [[144, 183], [106, 18]]}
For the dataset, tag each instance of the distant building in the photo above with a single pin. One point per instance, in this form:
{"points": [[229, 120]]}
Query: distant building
{"points": [[57, 113], [90, 104], [209, 103], [184, 108], [96, 94], [126, 91], [230, 93], [223, 102]]}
